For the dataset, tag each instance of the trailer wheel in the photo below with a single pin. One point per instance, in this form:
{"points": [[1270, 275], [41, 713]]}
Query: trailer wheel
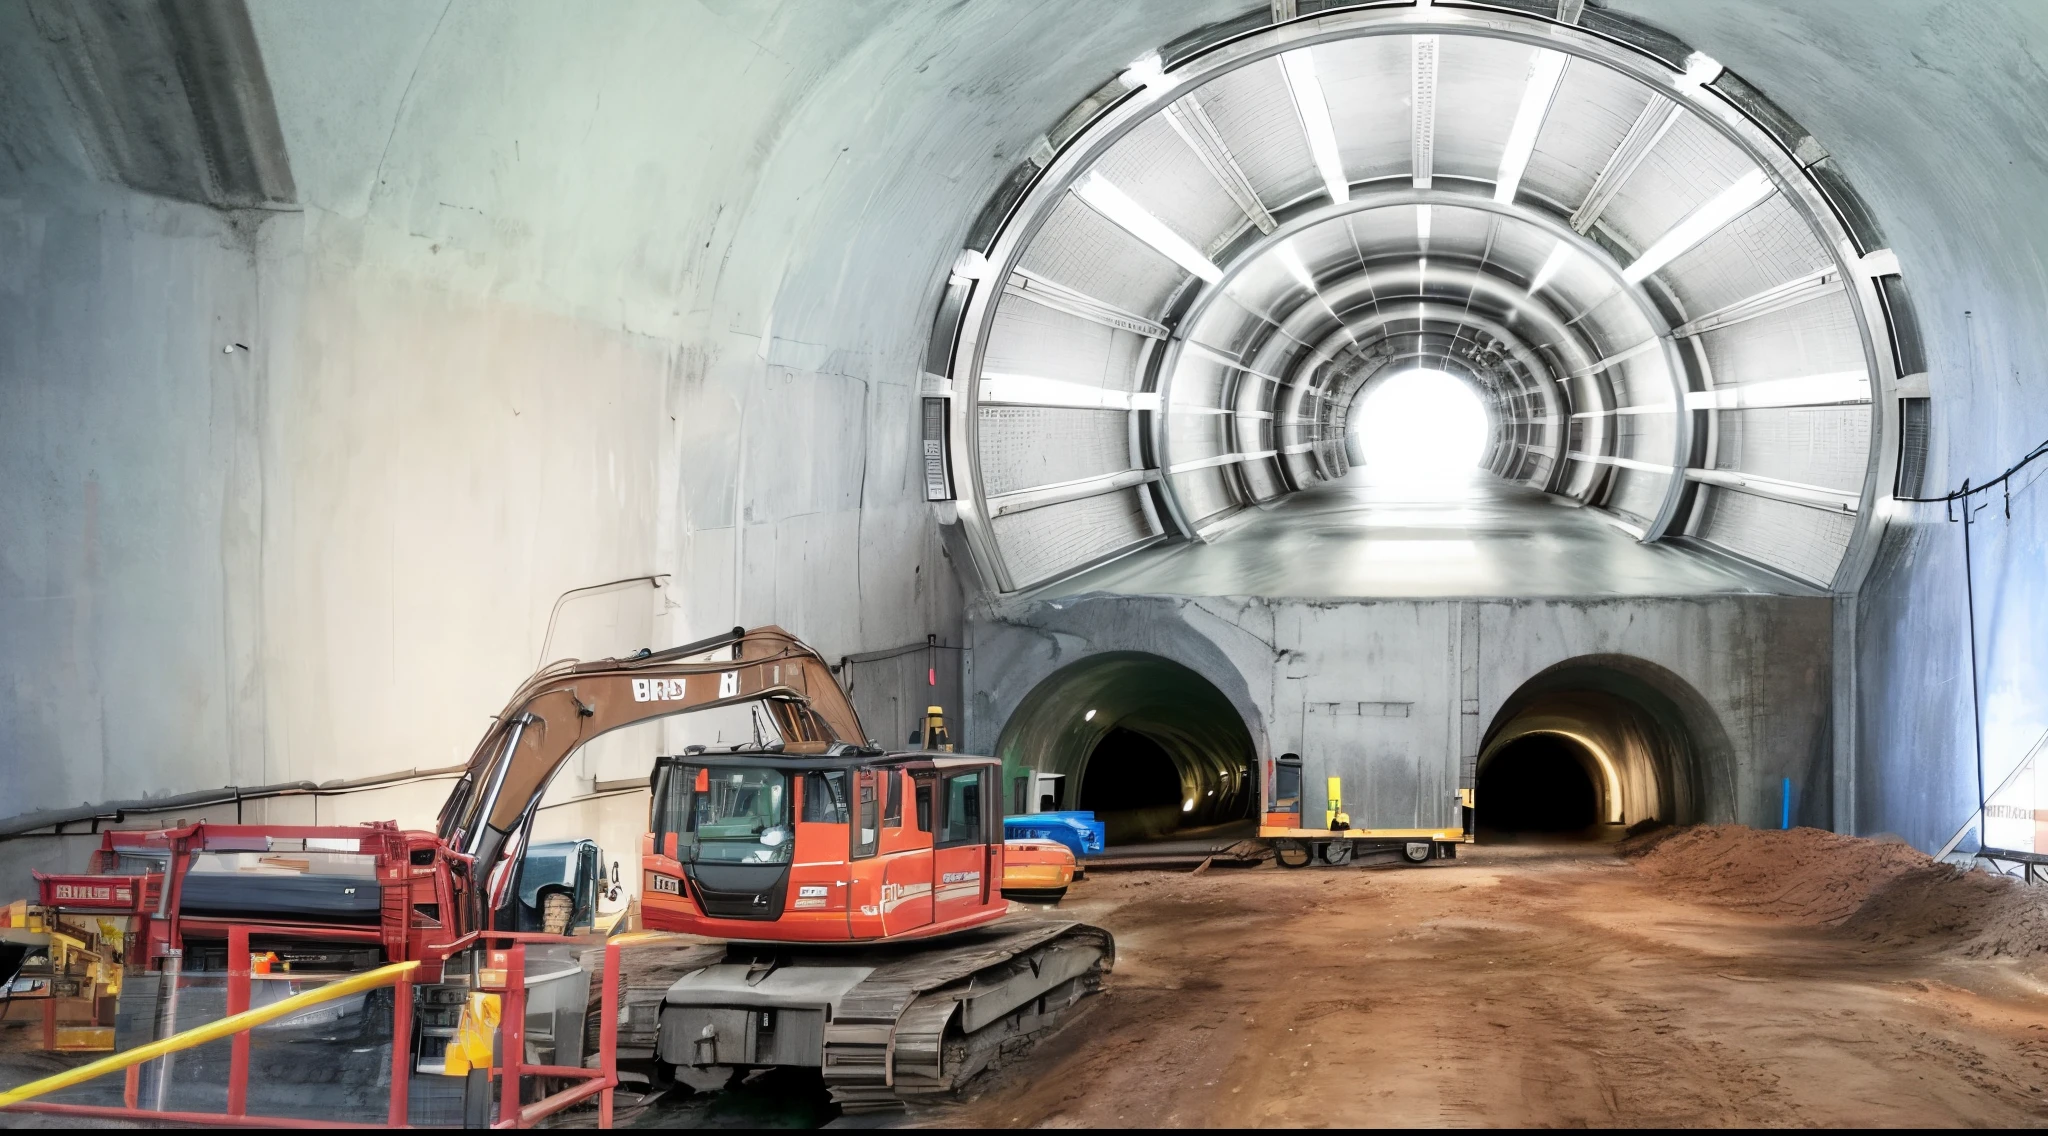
{"points": [[1416, 852], [1337, 853], [1284, 849]]}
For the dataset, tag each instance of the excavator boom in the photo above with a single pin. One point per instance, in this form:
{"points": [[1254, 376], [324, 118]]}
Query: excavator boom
{"points": [[565, 705]]}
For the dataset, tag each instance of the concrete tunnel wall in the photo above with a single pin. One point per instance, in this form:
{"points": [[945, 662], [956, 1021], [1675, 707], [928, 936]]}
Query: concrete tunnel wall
{"points": [[553, 299], [1398, 697]]}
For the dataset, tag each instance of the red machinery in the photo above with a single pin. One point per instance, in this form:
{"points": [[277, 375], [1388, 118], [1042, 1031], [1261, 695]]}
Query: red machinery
{"points": [[854, 847], [372, 884]]}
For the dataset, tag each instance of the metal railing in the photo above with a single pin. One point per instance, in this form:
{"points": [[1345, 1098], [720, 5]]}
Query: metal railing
{"points": [[511, 1068]]}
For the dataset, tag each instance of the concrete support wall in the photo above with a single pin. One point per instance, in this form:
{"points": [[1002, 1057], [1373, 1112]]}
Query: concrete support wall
{"points": [[1394, 696]]}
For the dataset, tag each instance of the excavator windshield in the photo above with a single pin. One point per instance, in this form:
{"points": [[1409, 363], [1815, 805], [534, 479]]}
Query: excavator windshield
{"points": [[725, 816]]}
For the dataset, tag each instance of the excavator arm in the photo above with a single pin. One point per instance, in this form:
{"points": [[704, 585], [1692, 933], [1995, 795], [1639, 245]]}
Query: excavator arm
{"points": [[564, 706]]}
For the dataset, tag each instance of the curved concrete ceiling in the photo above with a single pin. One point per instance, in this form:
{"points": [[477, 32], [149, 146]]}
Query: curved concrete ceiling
{"points": [[1193, 267], [533, 297]]}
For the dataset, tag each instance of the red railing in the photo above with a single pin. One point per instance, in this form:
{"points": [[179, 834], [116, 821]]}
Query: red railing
{"points": [[511, 1070]]}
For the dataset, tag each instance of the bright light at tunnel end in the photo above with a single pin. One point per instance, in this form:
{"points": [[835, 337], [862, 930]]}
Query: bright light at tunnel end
{"points": [[1421, 424]]}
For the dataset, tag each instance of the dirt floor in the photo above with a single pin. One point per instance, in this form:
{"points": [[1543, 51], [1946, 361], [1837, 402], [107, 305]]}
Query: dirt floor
{"points": [[1727, 977], [1708, 977]]}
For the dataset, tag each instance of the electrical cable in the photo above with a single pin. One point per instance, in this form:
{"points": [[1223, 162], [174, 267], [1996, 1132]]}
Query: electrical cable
{"points": [[1963, 494], [1968, 490]]}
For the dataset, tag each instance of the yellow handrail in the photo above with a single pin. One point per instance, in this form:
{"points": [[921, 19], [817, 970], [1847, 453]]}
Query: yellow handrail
{"points": [[211, 1031]]}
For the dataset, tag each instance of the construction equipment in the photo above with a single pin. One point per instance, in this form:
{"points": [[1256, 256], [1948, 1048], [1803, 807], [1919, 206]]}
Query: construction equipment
{"points": [[1037, 870], [1296, 846], [859, 888], [64, 972]]}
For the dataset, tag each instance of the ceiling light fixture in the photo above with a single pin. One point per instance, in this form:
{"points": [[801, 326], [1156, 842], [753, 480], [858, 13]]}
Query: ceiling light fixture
{"points": [[1546, 71], [1422, 225], [1149, 71], [1105, 198], [1551, 264], [1291, 261], [1299, 68], [1725, 206]]}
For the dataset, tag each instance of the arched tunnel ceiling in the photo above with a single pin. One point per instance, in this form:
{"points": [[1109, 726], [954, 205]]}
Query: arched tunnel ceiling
{"points": [[1668, 319], [551, 297]]}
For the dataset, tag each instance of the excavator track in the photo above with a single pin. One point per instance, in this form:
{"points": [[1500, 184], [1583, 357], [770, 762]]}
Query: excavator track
{"points": [[886, 1025]]}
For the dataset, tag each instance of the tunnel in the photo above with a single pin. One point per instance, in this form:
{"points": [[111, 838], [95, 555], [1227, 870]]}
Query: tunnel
{"points": [[1596, 748], [329, 372], [1149, 745], [346, 348]]}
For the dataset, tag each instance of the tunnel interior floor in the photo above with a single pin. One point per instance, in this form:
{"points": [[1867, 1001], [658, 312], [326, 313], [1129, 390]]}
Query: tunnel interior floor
{"points": [[1366, 536], [1523, 986]]}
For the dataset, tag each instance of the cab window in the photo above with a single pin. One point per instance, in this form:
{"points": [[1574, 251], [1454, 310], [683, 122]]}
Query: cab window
{"points": [[962, 820], [824, 799], [868, 834]]}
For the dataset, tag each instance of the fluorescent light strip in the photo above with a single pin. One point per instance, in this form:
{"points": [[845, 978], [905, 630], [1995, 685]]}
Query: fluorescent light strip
{"points": [[1806, 390], [1422, 224], [1105, 198], [1036, 390], [1299, 67], [1291, 261], [1551, 264], [1725, 206], [1546, 70]]}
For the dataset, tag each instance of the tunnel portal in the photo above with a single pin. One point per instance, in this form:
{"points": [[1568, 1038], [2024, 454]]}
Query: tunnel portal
{"points": [[1595, 748], [1148, 744]]}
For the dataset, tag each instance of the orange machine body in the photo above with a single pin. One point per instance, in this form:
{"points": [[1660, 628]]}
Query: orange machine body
{"points": [[865, 847], [1037, 869]]}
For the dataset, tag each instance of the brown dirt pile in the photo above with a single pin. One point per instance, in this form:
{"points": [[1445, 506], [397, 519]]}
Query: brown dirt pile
{"points": [[1802, 874], [1881, 892]]}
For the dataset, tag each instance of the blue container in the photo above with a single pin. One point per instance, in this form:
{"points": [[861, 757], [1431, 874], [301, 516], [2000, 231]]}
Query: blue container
{"points": [[1079, 831]]}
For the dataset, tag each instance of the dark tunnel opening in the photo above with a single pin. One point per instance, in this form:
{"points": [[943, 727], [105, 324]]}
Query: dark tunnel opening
{"points": [[1128, 771], [1541, 785], [1154, 749]]}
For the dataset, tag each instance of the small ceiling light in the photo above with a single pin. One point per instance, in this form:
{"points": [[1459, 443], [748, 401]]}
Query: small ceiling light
{"points": [[1105, 198], [1188, 805], [1551, 264], [1546, 71], [1149, 71], [1299, 68], [1700, 70], [1725, 206], [1088, 717], [1422, 224]]}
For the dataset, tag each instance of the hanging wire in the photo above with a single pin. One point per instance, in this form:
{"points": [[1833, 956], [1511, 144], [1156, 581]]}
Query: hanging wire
{"points": [[2002, 479]]}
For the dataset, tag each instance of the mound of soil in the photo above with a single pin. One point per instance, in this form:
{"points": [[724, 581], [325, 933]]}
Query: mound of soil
{"points": [[1882, 892], [1975, 914], [1802, 874]]}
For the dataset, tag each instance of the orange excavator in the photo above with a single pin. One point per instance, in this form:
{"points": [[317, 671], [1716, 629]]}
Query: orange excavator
{"points": [[859, 892]]}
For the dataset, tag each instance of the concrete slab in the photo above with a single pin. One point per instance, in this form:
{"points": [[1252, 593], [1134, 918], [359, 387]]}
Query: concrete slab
{"points": [[1368, 535]]}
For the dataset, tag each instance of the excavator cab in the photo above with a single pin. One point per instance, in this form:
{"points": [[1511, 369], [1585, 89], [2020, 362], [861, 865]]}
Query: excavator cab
{"points": [[752, 844]]}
